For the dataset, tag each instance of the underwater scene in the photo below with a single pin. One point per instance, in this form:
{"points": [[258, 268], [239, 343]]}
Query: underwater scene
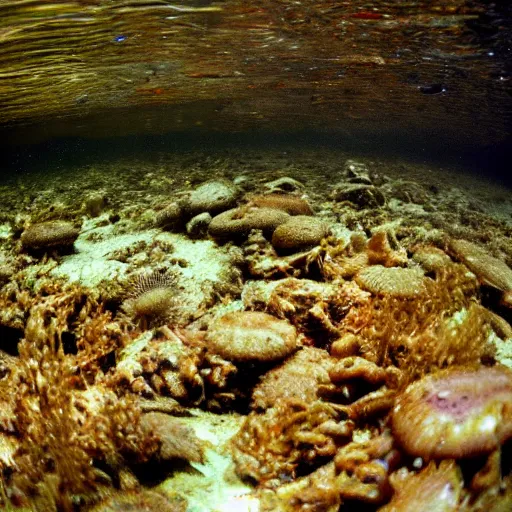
{"points": [[255, 256]]}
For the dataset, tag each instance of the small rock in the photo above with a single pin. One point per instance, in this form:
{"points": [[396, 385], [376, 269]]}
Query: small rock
{"points": [[95, 203], [176, 440], [284, 184], [299, 232], [197, 227], [171, 217], [212, 197], [361, 196], [52, 234], [357, 172]]}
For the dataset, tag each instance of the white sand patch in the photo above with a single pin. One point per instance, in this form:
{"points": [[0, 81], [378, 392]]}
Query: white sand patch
{"points": [[91, 264], [204, 263], [214, 487]]}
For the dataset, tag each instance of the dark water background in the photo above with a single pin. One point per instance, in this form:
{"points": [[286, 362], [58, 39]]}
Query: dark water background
{"points": [[87, 81]]}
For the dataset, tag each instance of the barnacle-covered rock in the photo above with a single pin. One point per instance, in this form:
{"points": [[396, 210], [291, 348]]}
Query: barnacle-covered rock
{"points": [[393, 281], [488, 269], [299, 232], [284, 184], [212, 197], [436, 488], [51, 234], [292, 204], [455, 413], [174, 438], [361, 196], [295, 381], [251, 336], [238, 222]]}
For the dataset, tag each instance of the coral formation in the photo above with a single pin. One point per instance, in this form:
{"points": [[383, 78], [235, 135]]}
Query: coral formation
{"points": [[299, 232], [251, 336], [490, 270], [152, 298], [51, 234], [455, 413], [321, 351], [238, 222], [393, 281]]}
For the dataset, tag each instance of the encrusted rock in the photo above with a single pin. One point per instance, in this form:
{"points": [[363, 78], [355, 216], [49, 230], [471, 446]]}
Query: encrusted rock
{"points": [[299, 232], [295, 381], [176, 440], [488, 269], [171, 217], [212, 197], [284, 184], [361, 196], [197, 227], [251, 336], [51, 234], [95, 203], [238, 222]]}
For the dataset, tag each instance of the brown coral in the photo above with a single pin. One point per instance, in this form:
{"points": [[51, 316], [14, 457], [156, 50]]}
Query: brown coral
{"points": [[251, 336], [238, 222], [433, 488], [394, 281], [51, 234], [299, 232], [455, 413]]}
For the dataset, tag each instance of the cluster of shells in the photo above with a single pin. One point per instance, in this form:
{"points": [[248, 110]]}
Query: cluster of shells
{"points": [[364, 363]]}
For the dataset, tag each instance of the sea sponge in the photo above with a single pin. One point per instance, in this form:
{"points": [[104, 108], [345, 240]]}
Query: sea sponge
{"points": [[393, 281], [238, 222], [455, 413], [153, 298], [292, 204], [51, 234], [299, 232], [251, 336]]}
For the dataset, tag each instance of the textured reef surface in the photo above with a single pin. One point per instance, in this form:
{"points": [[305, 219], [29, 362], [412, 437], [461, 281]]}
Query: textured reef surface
{"points": [[255, 330]]}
